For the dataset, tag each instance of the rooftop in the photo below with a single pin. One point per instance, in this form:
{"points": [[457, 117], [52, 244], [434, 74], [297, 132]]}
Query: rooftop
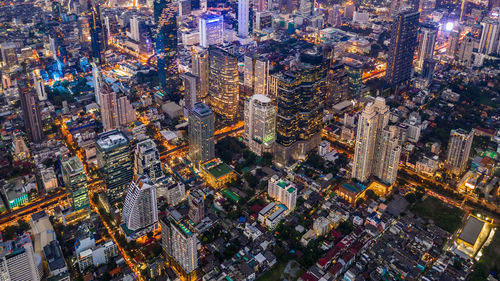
{"points": [[217, 168], [72, 165], [471, 230], [112, 139]]}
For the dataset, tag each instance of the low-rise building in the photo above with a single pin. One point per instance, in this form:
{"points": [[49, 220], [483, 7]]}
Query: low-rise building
{"points": [[217, 173]]}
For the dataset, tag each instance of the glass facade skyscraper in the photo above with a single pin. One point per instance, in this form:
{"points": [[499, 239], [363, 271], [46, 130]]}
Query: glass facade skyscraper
{"points": [[201, 133], [75, 180], [223, 83]]}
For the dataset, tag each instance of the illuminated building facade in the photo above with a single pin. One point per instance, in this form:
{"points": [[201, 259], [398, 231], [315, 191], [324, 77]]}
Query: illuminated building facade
{"points": [[256, 74], [260, 124], [147, 160], [211, 30], [109, 109], [97, 34], [201, 134], [458, 152], [166, 45], [217, 173], [464, 56], [338, 83], [75, 181], [282, 190], [354, 69], [196, 206], [113, 158], [31, 111], [199, 68], [243, 12], [300, 96], [490, 37], [223, 84], [427, 42], [404, 31]]}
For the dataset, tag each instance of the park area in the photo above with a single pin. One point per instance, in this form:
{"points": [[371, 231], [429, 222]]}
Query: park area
{"points": [[444, 215]]}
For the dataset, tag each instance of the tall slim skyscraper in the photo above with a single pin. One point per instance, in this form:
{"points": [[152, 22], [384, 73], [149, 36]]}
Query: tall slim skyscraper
{"points": [[31, 111], [453, 43], [165, 12], [109, 109], [256, 74], [135, 28], [179, 243], [300, 101], [126, 113], [490, 37], [75, 181], [39, 87], [243, 12], [378, 147], [201, 133], [97, 81], [428, 35], [192, 91], [260, 124], [97, 34], [113, 158], [211, 30], [464, 56], [223, 85], [196, 206], [199, 62], [401, 49], [147, 160], [140, 211], [458, 153]]}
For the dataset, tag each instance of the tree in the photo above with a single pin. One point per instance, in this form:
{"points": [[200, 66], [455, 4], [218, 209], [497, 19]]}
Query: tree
{"points": [[345, 227], [359, 202], [267, 159], [370, 194], [252, 180]]}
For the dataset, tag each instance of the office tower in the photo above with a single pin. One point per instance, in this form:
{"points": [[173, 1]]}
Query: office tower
{"points": [[179, 243], [31, 111], [459, 147], [196, 206], [113, 158], [490, 36], [282, 190], [300, 103], [378, 146], [147, 160], [201, 133], [9, 55], [39, 87], [140, 212], [199, 62], [97, 36], [97, 81], [334, 16], [427, 72], [18, 261], [223, 84], [211, 30], [260, 124], [401, 49], [135, 28], [338, 83], [75, 180], [427, 42], [464, 56], [191, 85], [109, 109], [263, 20], [354, 69], [453, 43], [166, 44], [256, 74], [126, 113], [243, 11]]}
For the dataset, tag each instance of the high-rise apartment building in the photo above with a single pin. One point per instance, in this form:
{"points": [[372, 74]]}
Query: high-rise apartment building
{"points": [[243, 13], [75, 180], [300, 96], [179, 243], [199, 62], [18, 261], [282, 190], [39, 87], [147, 160], [223, 85], [109, 109], [126, 113], [378, 146], [211, 30], [260, 124], [453, 43], [196, 206], [140, 211], [256, 74], [427, 42], [113, 158], [464, 56], [458, 153], [192, 91], [401, 49], [31, 111], [335, 16], [166, 44], [201, 134], [490, 37], [135, 28]]}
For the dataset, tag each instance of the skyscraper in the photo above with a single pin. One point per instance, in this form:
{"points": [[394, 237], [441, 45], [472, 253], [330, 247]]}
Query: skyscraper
{"points": [[97, 80], [300, 101], [31, 111], [260, 124], [401, 49], [179, 243], [243, 12], [490, 37], [378, 146], [140, 211], [458, 152], [126, 113], [97, 34], [147, 160], [201, 134], [464, 56], [39, 87], [211, 30], [199, 62], [192, 91], [135, 28], [196, 206], [223, 84], [113, 158], [18, 261], [166, 44], [428, 35], [75, 181], [256, 74], [109, 109], [453, 43]]}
